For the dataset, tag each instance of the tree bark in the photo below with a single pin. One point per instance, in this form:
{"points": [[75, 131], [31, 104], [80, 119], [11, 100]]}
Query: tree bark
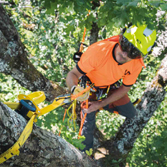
{"points": [[95, 29], [94, 33], [14, 61], [42, 147]]}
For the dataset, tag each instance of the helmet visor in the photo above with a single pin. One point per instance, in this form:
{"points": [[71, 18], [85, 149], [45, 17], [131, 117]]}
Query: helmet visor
{"points": [[128, 47]]}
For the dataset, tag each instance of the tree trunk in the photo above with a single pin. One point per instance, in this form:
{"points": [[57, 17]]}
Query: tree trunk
{"points": [[95, 29], [42, 147], [14, 61], [94, 33]]}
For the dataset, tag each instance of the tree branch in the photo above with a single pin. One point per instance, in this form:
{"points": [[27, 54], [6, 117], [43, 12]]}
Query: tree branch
{"points": [[14, 61], [42, 147]]}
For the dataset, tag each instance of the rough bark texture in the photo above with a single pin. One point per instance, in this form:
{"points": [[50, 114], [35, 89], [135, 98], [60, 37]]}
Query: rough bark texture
{"points": [[94, 33], [42, 147], [95, 29], [14, 61]]}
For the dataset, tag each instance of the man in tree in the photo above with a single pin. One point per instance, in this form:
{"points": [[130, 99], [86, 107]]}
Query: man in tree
{"points": [[104, 63]]}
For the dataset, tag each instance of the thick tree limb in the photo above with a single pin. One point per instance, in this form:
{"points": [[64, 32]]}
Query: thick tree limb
{"points": [[14, 61], [42, 147]]}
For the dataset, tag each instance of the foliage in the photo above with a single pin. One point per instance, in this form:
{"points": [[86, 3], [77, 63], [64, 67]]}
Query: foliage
{"points": [[10, 89], [90, 152], [149, 149], [108, 123], [49, 47], [54, 121], [118, 12], [145, 77], [52, 30]]}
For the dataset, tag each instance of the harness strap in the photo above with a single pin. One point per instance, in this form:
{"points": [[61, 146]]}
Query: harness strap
{"points": [[102, 91], [14, 150]]}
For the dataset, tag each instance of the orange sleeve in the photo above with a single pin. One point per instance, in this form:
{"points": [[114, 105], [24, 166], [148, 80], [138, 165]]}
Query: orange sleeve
{"points": [[113, 39], [86, 63], [92, 57]]}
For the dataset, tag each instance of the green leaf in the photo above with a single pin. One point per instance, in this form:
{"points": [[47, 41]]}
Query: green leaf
{"points": [[122, 1], [89, 152], [134, 3], [51, 6], [154, 3], [164, 7]]}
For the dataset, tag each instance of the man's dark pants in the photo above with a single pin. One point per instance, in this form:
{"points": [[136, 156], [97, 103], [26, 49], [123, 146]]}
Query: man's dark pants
{"points": [[122, 106]]}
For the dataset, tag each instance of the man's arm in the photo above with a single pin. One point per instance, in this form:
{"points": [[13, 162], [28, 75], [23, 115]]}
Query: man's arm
{"points": [[72, 78], [117, 94]]}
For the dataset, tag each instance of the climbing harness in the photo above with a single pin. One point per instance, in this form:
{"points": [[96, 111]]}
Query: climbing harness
{"points": [[102, 91]]}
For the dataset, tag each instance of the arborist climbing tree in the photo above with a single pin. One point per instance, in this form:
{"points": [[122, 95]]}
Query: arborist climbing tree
{"points": [[110, 27], [104, 64]]}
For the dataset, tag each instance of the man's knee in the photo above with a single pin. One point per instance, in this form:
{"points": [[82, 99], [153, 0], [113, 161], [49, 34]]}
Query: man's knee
{"points": [[132, 114], [127, 110]]}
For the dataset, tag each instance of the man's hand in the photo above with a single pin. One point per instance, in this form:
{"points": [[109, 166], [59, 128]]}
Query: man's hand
{"points": [[93, 106], [117, 94]]}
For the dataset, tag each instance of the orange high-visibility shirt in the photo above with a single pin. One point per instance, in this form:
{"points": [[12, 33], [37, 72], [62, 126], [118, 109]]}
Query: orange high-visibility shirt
{"points": [[98, 63]]}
